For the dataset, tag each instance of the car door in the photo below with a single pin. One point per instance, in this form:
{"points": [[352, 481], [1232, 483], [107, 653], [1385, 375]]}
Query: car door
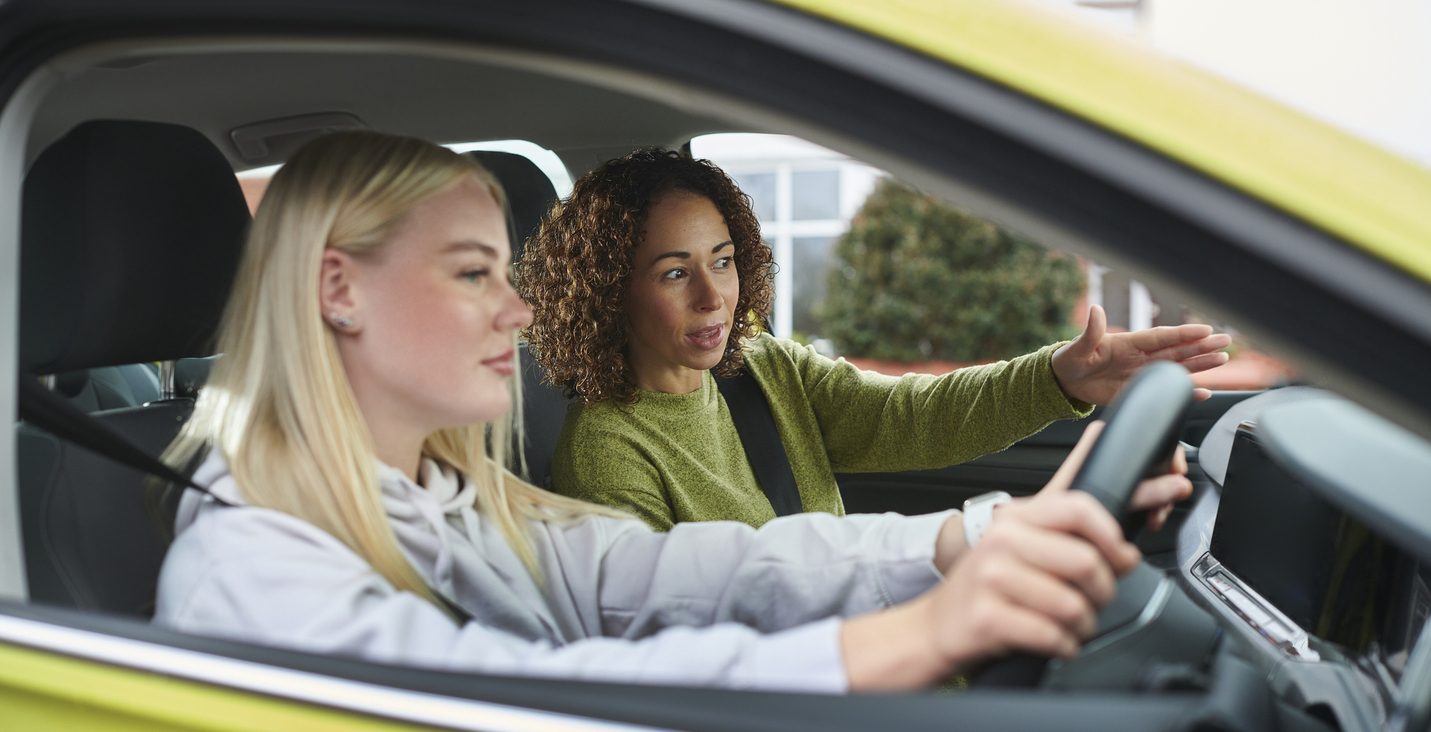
{"points": [[1020, 470], [1007, 144]]}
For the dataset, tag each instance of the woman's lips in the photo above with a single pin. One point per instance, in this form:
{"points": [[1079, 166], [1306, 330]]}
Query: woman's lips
{"points": [[503, 364], [708, 338]]}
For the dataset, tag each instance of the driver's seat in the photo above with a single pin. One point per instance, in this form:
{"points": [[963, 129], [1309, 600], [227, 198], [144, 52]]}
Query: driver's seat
{"points": [[130, 238]]}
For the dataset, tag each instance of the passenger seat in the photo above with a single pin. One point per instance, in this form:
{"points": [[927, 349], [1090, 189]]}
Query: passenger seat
{"points": [[110, 387], [530, 195]]}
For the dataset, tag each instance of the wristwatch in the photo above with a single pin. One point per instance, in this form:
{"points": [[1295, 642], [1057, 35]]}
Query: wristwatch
{"points": [[979, 513]]}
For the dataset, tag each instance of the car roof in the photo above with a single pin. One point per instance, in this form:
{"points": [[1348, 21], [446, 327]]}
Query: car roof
{"points": [[429, 91], [1340, 183]]}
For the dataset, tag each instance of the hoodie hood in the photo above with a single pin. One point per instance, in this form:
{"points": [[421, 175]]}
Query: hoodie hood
{"points": [[439, 530]]}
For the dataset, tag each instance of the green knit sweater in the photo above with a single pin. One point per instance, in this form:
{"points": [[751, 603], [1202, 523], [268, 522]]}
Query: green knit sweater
{"points": [[678, 457]]}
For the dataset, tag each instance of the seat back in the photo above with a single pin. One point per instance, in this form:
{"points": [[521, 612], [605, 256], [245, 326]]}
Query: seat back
{"points": [[131, 234], [530, 193], [88, 541], [110, 387], [544, 408]]}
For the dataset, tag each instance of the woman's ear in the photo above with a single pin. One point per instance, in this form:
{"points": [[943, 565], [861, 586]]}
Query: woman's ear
{"points": [[337, 294]]}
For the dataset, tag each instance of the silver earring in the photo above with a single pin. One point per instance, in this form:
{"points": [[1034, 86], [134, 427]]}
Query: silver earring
{"points": [[340, 321]]}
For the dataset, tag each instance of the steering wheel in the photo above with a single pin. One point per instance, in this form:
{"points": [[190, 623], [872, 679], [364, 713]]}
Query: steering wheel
{"points": [[1143, 425]]}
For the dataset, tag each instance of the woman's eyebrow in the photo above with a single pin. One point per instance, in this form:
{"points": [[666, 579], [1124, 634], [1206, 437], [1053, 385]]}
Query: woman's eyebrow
{"points": [[687, 255], [471, 245], [677, 255]]}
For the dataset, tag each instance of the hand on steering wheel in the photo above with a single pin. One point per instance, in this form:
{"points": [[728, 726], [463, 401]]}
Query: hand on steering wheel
{"points": [[1156, 496], [1039, 574], [1139, 441], [1033, 584]]}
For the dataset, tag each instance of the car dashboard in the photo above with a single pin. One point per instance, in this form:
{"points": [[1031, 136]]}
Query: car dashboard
{"points": [[1323, 597]]}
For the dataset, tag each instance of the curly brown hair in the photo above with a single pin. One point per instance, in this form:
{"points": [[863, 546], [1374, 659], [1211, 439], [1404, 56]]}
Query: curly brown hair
{"points": [[576, 270]]}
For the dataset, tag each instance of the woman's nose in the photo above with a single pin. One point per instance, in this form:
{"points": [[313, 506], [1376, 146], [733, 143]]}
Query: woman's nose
{"points": [[516, 314], [708, 297]]}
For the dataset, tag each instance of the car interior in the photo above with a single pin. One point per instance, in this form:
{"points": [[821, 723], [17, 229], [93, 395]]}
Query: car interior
{"points": [[1298, 606]]}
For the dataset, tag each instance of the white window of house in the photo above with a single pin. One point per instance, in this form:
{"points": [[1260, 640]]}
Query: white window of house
{"points": [[761, 189], [814, 195], [804, 196]]}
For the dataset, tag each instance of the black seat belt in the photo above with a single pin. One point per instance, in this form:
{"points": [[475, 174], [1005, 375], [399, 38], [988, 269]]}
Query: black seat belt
{"points": [[750, 411], [50, 412]]}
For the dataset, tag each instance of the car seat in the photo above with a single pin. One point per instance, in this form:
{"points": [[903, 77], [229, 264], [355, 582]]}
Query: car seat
{"points": [[110, 387], [544, 408], [530, 195], [130, 238]]}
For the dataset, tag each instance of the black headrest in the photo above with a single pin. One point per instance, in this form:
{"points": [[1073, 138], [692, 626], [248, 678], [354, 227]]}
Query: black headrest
{"points": [[130, 238], [530, 193]]}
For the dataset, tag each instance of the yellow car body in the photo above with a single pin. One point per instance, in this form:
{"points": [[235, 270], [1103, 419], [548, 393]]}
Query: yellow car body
{"points": [[1354, 190]]}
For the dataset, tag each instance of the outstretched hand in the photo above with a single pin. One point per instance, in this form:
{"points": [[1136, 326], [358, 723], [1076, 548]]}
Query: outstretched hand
{"points": [[1096, 364]]}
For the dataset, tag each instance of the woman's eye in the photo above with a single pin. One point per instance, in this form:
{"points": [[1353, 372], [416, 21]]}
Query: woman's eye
{"points": [[476, 275], [724, 262], [674, 274]]}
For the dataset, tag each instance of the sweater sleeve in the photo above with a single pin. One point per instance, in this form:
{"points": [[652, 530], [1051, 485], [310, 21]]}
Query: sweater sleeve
{"points": [[258, 577], [711, 604], [791, 571], [874, 422]]}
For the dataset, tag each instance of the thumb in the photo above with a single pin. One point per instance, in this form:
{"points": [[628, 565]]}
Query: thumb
{"points": [[1087, 341], [1062, 479]]}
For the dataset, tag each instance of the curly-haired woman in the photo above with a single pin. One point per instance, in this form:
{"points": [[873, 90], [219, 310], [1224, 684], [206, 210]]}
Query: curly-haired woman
{"points": [[648, 282]]}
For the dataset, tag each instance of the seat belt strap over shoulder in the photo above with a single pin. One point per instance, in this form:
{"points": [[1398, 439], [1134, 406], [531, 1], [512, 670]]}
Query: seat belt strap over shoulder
{"points": [[44, 409], [52, 413], [755, 423]]}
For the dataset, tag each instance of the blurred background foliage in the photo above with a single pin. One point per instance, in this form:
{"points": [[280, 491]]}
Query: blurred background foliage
{"points": [[916, 279]]}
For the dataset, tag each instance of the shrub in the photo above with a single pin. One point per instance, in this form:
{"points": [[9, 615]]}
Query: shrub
{"points": [[916, 279]]}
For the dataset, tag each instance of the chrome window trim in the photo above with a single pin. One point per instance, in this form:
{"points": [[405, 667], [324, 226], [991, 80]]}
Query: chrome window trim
{"points": [[299, 686]]}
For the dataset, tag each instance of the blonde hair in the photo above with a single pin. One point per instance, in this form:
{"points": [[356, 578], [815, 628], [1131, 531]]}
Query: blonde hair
{"points": [[278, 406]]}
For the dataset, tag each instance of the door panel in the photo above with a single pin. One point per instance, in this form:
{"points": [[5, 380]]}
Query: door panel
{"points": [[1020, 470]]}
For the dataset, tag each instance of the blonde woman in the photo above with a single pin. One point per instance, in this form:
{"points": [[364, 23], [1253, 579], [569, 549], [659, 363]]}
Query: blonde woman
{"points": [[354, 506]]}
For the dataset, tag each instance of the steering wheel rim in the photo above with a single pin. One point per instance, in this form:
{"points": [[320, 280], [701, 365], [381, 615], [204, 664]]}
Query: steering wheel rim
{"points": [[1141, 434]]}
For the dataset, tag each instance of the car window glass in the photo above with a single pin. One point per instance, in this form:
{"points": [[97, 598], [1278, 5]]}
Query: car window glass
{"points": [[873, 270], [814, 194]]}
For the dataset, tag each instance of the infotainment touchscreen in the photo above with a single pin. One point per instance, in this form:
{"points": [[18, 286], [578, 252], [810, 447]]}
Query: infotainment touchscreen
{"points": [[1323, 570]]}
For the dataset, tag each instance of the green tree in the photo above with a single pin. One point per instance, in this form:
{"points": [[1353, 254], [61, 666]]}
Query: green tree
{"points": [[915, 279]]}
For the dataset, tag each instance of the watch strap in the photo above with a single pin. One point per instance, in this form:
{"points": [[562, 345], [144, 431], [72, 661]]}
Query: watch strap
{"points": [[979, 513]]}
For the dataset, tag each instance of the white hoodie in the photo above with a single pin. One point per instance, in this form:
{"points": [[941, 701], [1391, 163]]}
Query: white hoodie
{"points": [[710, 604]]}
